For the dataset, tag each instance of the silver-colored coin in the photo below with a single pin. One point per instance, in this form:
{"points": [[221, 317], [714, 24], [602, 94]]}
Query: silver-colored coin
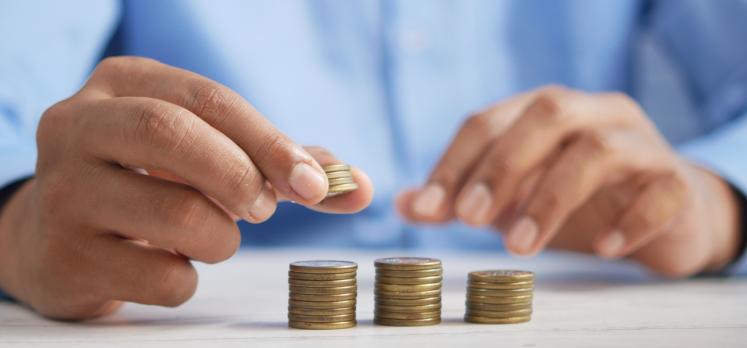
{"points": [[323, 266]]}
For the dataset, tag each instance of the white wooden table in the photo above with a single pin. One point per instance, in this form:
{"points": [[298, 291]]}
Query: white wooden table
{"points": [[579, 301]]}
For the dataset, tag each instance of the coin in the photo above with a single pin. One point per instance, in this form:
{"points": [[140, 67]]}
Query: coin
{"points": [[322, 305], [337, 175], [484, 320], [499, 300], [407, 316], [337, 167], [407, 263], [340, 189], [409, 309], [502, 286], [321, 326], [340, 181], [321, 311], [381, 279], [407, 322], [390, 273], [499, 293], [322, 276], [499, 315], [323, 291], [499, 307], [322, 283], [409, 288], [323, 266], [407, 295], [323, 298], [386, 301], [321, 318], [501, 276]]}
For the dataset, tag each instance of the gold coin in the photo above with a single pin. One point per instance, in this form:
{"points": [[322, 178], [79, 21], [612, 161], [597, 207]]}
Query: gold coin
{"points": [[321, 326], [494, 314], [337, 167], [340, 181], [337, 175], [407, 295], [322, 305], [323, 291], [385, 301], [501, 286], [407, 263], [322, 283], [499, 293], [499, 300], [409, 309], [410, 273], [321, 276], [323, 266], [407, 287], [407, 281], [321, 311], [491, 307], [407, 322], [342, 188], [484, 320], [321, 318], [407, 316], [501, 276], [323, 298]]}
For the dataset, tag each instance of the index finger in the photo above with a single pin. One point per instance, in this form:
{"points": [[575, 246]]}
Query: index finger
{"points": [[290, 169]]}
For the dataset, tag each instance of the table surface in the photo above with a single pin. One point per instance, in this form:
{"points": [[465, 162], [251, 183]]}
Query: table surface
{"points": [[579, 301]]}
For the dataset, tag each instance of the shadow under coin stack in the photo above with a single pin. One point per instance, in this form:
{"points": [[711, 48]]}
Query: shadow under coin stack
{"points": [[340, 179], [408, 291], [499, 297], [322, 294]]}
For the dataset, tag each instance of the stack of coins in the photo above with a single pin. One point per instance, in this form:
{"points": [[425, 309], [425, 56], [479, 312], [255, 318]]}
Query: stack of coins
{"points": [[340, 179], [499, 297], [322, 294], [408, 291]]}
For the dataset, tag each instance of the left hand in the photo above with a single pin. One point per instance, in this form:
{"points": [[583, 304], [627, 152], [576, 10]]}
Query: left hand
{"points": [[588, 172]]}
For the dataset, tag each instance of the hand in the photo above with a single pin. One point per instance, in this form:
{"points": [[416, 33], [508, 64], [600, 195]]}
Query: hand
{"points": [[88, 232], [578, 171]]}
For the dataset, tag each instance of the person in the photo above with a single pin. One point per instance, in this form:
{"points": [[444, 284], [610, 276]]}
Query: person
{"points": [[613, 128]]}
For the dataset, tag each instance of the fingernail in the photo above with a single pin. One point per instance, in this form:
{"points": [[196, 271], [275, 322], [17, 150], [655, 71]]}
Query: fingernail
{"points": [[612, 245], [429, 200], [263, 207], [307, 182], [475, 205], [522, 235]]}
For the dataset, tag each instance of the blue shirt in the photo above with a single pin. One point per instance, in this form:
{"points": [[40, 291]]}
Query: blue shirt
{"points": [[386, 84]]}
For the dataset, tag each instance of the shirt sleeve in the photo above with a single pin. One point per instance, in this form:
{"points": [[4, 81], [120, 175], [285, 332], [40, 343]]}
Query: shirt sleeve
{"points": [[48, 48], [706, 41]]}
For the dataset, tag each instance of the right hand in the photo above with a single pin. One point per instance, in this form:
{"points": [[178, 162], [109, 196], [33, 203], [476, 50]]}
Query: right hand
{"points": [[88, 232]]}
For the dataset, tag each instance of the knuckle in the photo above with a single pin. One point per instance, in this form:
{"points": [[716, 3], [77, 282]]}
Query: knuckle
{"points": [[187, 211], [119, 63], [595, 144], [550, 200], [162, 127], [503, 166], [478, 125], [212, 101], [244, 183], [175, 283], [274, 147], [547, 107]]}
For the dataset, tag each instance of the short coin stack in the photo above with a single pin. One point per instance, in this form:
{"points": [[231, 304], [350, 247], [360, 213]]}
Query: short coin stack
{"points": [[340, 179], [499, 297], [408, 291], [322, 294]]}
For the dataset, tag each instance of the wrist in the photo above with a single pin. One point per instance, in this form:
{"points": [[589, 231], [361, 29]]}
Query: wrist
{"points": [[11, 222]]}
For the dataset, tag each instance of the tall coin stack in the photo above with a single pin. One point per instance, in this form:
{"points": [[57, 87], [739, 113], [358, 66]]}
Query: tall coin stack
{"points": [[340, 179], [499, 297], [408, 291], [322, 294]]}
